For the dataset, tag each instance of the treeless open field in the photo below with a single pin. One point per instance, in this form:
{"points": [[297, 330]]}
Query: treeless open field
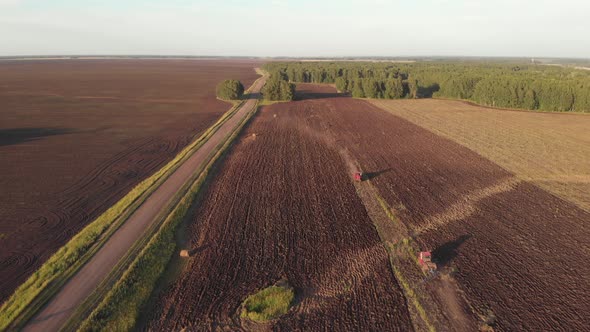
{"points": [[520, 252], [76, 135], [283, 206], [551, 150]]}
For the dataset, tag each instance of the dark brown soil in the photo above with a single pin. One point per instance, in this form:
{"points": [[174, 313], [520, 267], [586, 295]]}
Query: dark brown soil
{"points": [[283, 206], [520, 252], [76, 135]]}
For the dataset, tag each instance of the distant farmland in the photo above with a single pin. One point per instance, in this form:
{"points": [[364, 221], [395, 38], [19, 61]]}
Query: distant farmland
{"points": [[76, 135]]}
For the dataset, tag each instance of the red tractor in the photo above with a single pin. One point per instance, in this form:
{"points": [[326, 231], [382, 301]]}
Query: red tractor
{"points": [[426, 263], [358, 176]]}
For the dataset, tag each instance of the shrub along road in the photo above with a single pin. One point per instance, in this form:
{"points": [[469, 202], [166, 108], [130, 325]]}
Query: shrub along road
{"points": [[83, 283]]}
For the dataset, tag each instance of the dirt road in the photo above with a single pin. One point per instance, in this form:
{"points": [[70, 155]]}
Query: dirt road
{"points": [[81, 285]]}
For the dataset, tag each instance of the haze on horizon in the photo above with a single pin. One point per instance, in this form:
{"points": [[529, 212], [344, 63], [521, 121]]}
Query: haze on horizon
{"points": [[528, 28]]}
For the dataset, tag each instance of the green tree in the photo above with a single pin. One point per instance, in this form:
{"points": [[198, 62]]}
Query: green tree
{"points": [[357, 89], [413, 86], [287, 90], [230, 90], [530, 100], [371, 88], [341, 84], [394, 88], [278, 89]]}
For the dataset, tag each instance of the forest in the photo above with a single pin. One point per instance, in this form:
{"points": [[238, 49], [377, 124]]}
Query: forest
{"points": [[510, 85]]}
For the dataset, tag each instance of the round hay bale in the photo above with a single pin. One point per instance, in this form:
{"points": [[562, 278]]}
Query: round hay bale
{"points": [[184, 253]]}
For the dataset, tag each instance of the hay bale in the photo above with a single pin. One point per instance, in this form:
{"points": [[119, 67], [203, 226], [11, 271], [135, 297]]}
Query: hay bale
{"points": [[184, 253]]}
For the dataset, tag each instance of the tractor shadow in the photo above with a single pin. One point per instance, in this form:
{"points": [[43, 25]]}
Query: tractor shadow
{"points": [[198, 250], [372, 175], [446, 252]]}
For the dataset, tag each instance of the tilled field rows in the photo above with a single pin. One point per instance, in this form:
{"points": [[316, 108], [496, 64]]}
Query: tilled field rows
{"points": [[282, 207], [521, 253], [77, 135]]}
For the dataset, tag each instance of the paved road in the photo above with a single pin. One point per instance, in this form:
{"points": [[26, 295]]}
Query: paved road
{"points": [[82, 284]]}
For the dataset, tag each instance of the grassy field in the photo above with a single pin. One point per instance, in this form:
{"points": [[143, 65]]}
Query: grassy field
{"points": [[548, 149]]}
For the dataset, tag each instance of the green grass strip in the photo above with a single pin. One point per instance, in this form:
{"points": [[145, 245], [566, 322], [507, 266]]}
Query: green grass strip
{"points": [[118, 311], [409, 292], [386, 208], [411, 296]]}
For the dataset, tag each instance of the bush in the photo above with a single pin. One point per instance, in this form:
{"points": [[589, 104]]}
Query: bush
{"points": [[230, 90], [269, 303]]}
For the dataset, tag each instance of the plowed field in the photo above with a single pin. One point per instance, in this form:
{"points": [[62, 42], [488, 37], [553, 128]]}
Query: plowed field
{"points": [[76, 135], [520, 252], [282, 206]]}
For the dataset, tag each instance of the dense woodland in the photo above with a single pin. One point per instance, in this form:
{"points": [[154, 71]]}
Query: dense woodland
{"points": [[526, 86]]}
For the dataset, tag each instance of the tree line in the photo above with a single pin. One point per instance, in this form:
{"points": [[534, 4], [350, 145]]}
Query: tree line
{"points": [[526, 86]]}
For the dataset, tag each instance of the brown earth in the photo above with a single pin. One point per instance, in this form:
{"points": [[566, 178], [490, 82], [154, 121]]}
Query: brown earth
{"points": [[520, 252], [283, 207], [76, 135]]}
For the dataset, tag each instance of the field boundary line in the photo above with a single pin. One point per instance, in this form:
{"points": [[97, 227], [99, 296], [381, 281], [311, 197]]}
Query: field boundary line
{"points": [[117, 289], [36, 291]]}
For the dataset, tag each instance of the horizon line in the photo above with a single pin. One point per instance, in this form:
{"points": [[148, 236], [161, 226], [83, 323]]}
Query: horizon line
{"points": [[345, 57]]}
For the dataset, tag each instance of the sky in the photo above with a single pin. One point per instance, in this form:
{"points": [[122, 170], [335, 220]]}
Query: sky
{"points": [[528, 28]]}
